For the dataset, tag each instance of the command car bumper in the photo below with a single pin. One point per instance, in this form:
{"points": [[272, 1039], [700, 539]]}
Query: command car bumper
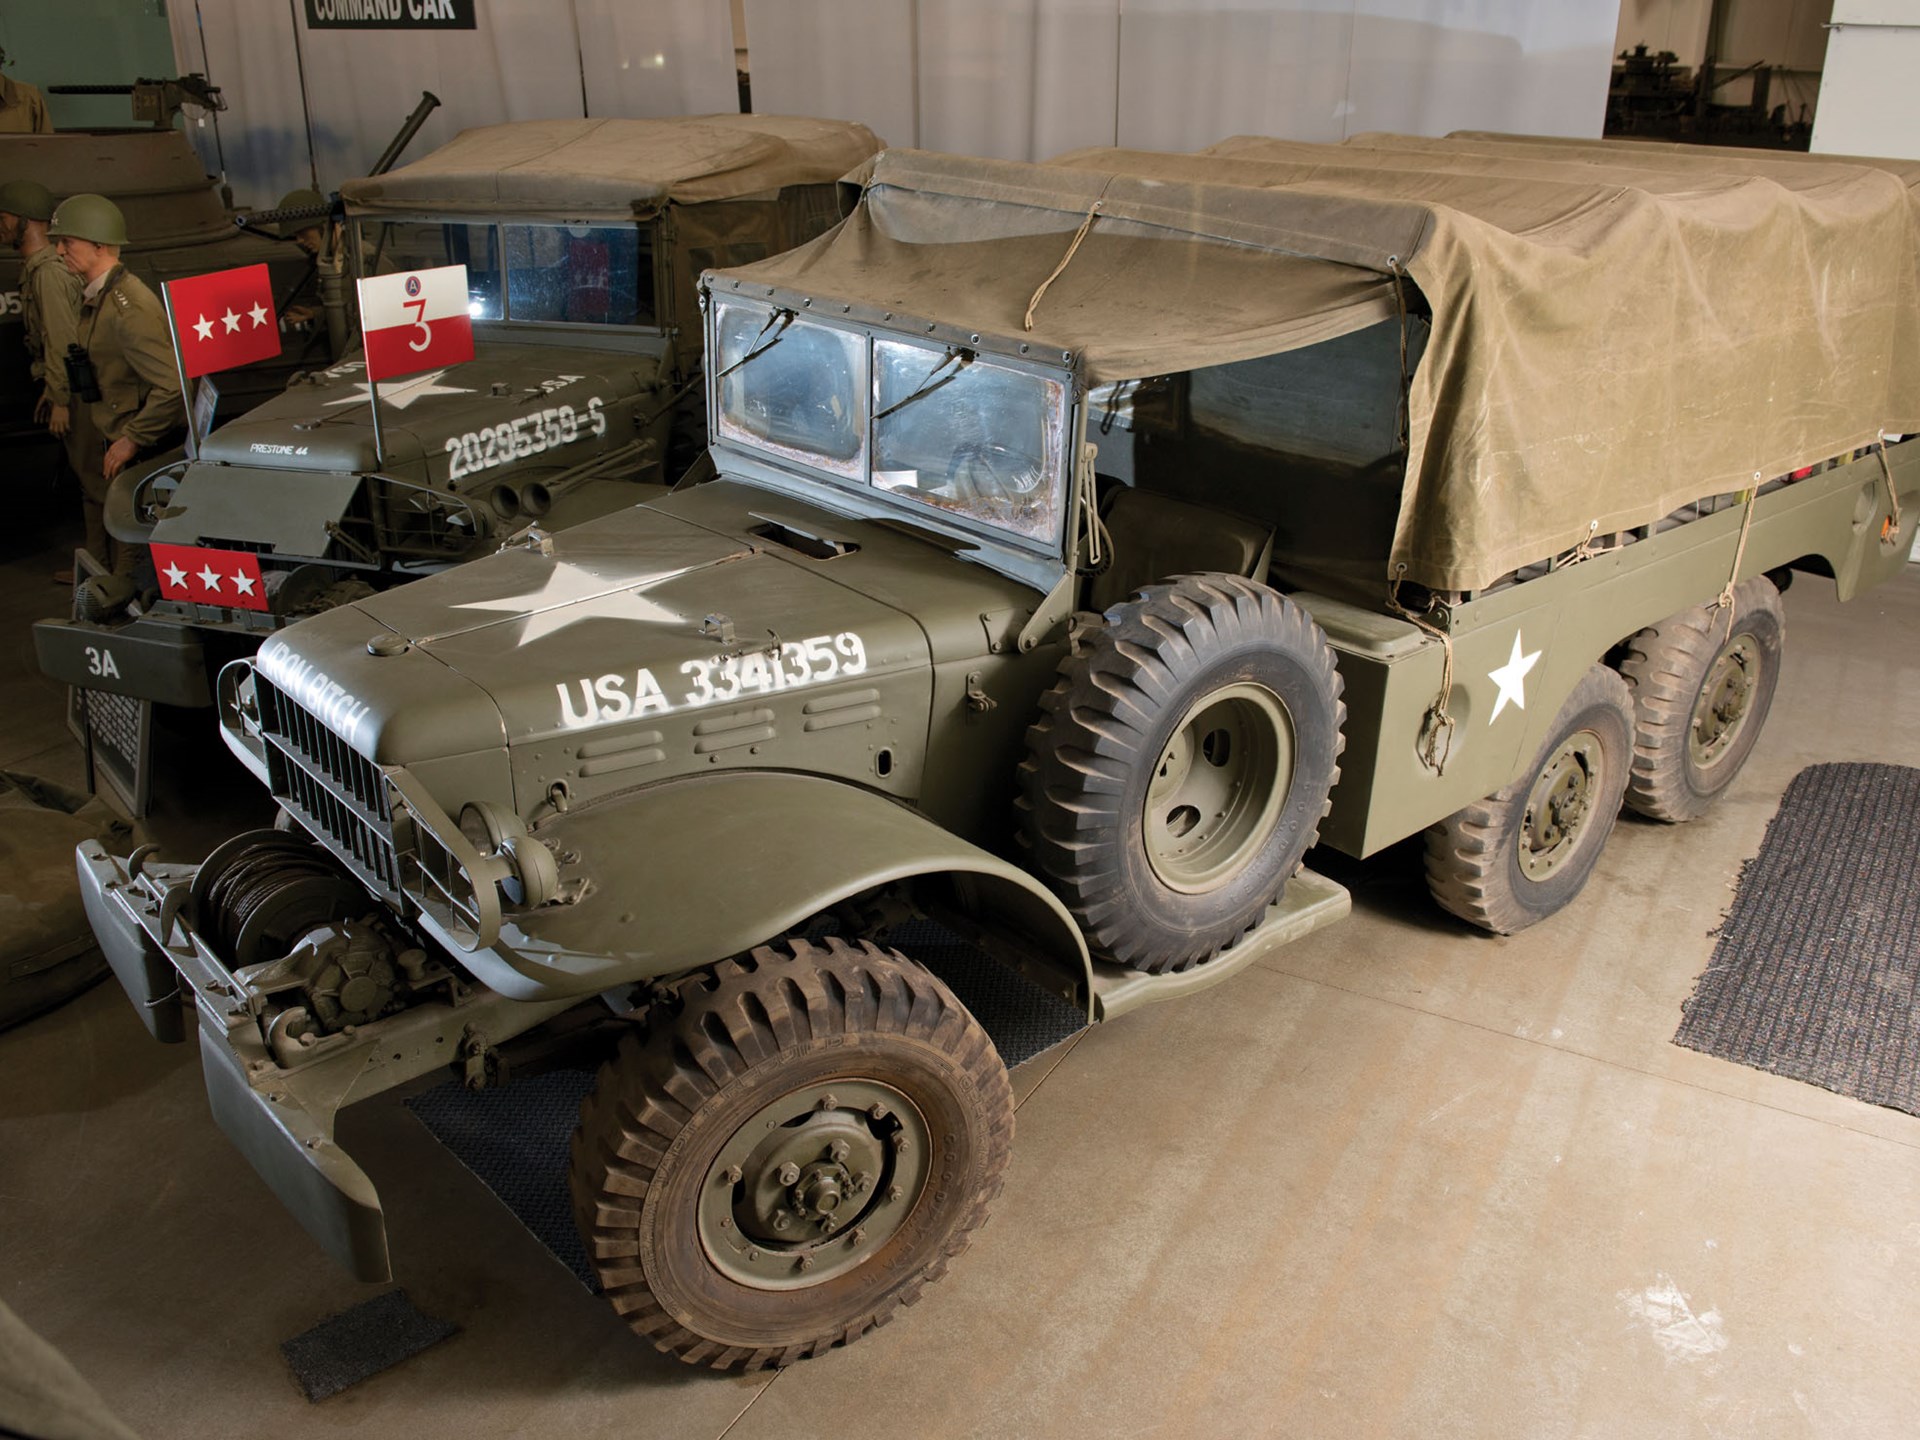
{"points": [[144, 658], [280, 1115]]}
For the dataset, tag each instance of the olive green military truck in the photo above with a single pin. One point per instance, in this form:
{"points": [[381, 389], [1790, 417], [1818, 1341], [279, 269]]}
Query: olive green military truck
{"points": [[1086, 540], [583, 242]]}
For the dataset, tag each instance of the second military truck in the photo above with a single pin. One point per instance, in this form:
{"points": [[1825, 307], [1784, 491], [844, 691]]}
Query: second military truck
{"points": [[1087, 539], [582, 240]]}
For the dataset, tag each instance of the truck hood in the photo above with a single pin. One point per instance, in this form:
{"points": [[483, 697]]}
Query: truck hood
{"points": [[393, 709], [322, 422], [641, 617]]}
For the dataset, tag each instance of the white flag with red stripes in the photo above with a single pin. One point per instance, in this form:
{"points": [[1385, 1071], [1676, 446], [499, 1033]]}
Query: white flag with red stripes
{"points": [[416, 321]]}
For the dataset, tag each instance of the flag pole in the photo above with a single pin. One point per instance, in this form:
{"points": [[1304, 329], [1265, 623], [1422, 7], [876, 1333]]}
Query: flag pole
{"points": [[373, 405], [180, 369], [373, 386]]}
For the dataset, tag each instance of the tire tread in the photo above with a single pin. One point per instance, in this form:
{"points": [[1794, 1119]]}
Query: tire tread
{"points": [[740, 1015]]}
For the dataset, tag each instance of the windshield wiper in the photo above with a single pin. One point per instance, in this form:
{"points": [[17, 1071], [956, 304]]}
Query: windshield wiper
{"points": [[784, 318], [931, 383]]}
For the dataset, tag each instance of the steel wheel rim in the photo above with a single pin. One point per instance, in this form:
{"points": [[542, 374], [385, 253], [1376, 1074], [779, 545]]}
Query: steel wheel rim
{"points": [[813, 1184], [1218, 787], [1725, 702], [1560, 805]]}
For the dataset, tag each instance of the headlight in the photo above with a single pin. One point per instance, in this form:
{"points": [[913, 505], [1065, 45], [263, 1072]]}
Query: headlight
{"points": [[531, 875]]}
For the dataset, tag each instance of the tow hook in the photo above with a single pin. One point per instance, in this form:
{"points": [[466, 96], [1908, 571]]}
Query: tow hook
{"points": [[978, 701], [484, 1066]]}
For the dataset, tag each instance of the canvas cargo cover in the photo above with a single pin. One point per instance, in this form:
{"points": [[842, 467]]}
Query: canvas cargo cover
{"points": [[589, 170], [1614, 335]]}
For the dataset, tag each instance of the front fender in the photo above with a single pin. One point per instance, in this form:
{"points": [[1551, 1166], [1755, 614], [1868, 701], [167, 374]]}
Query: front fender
{"points": [[687, 873]]}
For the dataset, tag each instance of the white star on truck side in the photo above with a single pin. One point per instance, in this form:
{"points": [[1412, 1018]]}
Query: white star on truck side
{"points": [[1512, 679]]}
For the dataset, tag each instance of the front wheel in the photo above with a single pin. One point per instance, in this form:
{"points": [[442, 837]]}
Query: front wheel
{"points": [[1525, 851], [780, 1166]]}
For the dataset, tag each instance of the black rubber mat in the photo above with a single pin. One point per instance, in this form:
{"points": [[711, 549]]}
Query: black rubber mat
{"points": [[347, 1348], [1814, 973], [1022, 1018], [514, 1138]]}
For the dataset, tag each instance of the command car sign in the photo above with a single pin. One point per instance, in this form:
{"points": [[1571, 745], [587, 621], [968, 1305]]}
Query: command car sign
{"points": [[416, 321]]}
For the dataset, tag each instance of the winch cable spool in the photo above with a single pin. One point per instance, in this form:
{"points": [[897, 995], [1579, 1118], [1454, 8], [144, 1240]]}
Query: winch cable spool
{"points": [[265, 889]]}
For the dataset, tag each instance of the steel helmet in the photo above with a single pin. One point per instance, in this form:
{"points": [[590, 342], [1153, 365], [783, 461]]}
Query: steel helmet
{"points": [[28, 199], [300, 200], [89, 217]]}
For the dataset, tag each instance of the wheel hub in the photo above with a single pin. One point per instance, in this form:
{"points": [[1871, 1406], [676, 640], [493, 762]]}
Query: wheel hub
{"points": [[1559, 805], [1725, 699], [814, 1184], [1219, 787]]}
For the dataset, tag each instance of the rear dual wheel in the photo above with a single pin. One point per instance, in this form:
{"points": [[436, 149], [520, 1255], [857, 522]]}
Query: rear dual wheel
{"points": [[1524, 852], [793, 1156], [1702, 683]]}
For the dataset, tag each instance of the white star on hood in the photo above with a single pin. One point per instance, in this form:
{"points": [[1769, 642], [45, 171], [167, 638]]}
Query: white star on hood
{"points": [[403, 394], [1512, 679], [570, 594]]}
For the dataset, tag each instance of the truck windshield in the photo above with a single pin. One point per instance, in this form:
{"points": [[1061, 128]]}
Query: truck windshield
{"points": [[963, 434], [793, 387], [568, 274], [932, 424]]}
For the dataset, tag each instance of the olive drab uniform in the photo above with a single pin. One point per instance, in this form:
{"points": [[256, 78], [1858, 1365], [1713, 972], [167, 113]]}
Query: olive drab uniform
{"points": [[50, 309], [23, 109], [124, 330]]}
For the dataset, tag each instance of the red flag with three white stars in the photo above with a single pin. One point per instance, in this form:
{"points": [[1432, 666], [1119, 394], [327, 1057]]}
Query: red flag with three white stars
{"points": [[224, 319]]}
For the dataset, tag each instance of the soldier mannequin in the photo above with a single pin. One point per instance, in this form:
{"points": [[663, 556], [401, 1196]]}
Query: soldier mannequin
{"points": [[49, 296], [324, 240], [23, 110], [124, 332]]}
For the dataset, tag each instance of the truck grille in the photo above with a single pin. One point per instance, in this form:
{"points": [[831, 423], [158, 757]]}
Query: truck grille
{"points": [[338, 793]]}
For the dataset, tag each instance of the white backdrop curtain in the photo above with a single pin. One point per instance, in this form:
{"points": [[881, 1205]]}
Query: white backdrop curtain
{"points": [[1012, 79], [524, 60], [1025, 79]]}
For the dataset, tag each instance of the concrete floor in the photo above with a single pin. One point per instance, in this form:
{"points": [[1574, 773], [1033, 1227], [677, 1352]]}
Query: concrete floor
{"points": [[1397, 1179]]}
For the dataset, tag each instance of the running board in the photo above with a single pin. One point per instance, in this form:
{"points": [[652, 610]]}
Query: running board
{"points": [[1309, 902]]}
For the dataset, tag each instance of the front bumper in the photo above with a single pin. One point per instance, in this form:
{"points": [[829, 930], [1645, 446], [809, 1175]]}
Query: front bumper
{"points": [[279, 1115], [146, 659]]}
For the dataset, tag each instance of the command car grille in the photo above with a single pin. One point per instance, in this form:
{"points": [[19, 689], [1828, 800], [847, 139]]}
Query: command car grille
{"points": [[334, 790]]}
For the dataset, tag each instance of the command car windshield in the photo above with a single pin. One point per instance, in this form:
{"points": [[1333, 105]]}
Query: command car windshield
{"points": [[572, 274], [935, 425]]}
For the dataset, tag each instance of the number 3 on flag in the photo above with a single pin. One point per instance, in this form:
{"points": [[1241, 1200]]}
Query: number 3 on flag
{"points": [[419, 308]]}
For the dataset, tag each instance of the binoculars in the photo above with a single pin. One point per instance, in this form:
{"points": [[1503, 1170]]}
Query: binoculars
{"points": [[82, 383]]}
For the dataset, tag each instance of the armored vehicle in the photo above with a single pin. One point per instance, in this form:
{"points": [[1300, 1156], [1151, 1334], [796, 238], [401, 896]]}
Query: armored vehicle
{"points": [[178, 226], [1086, 539], [583, 240]]}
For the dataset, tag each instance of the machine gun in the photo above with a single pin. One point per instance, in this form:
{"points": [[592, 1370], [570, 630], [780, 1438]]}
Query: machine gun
{"points": [[157, 102]]}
